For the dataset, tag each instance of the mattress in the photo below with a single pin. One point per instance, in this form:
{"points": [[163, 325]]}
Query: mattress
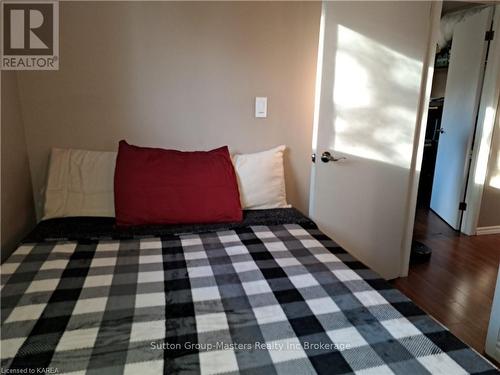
{"points": [[271, 295]]}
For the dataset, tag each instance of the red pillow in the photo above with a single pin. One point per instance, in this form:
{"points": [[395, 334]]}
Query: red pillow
{"points": [[157, 186]]}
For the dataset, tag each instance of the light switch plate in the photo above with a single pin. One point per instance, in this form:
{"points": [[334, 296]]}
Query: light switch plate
{"points": [[260, 106]]}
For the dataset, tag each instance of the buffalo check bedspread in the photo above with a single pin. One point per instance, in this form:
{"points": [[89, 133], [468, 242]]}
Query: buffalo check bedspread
{"points": [[256, 300]]}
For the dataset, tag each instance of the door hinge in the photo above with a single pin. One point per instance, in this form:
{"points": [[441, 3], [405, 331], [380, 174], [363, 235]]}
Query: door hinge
{"points": [[313, 158], [462, 206], [489, 35]]}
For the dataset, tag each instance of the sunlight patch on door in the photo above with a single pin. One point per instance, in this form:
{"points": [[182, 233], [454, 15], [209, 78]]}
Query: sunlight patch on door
{"points": [[373, 94], [484, 147]]}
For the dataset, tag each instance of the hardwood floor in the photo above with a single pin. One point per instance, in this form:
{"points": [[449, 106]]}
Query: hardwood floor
{"points": [[457, 285]]}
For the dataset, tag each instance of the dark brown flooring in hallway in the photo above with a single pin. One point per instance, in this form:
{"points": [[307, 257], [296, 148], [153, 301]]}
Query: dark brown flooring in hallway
{"points": [[457, 285]]}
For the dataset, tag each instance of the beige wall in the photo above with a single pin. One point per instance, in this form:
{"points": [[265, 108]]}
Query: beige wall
{"points": [[178, 75], [489, 215], [17, 211], [439, 83]]}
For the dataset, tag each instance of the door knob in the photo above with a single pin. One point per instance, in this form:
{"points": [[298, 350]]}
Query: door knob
{"points": [[326, 157]]}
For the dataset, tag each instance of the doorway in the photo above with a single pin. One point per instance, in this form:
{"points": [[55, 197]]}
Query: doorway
{"points": [[456, 282], [454, 115], [367, 133]]}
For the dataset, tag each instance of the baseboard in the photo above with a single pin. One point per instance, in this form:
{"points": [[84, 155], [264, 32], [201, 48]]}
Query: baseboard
{"points": [[488, 230]]}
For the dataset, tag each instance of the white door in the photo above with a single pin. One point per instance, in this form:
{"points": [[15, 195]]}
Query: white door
{"points": [[370, 79], [463, 89]]}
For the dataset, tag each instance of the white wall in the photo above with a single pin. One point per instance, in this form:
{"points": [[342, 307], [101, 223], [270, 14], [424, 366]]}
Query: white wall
{"points": [[178, 75]]}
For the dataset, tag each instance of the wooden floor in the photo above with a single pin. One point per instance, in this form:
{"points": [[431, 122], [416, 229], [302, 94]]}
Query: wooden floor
{"points": [[457, 285]]}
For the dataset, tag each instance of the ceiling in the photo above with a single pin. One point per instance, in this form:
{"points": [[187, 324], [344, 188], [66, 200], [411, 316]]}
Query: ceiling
{"points": [[452, 6]]}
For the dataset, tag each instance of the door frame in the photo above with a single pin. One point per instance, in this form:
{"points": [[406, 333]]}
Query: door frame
{"points": [[487, 111], [419, 139]]}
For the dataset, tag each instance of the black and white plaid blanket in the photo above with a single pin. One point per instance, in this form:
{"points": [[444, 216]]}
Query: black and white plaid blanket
{"points": [[253, 300]]}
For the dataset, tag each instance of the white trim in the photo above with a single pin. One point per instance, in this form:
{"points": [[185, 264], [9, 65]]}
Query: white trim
{"points": [[317, 101], [495, 229], [419, 140], [485, 124]]}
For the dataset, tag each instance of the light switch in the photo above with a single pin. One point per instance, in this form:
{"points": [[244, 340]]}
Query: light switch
{"points": [[260, 106]]}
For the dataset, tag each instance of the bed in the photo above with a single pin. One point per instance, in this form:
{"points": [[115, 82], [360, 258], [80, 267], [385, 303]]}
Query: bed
{"points": [[271, 294]]}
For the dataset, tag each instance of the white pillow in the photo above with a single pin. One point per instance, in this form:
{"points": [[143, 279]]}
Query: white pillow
{"points": [[80, 183], [261, 179]]}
